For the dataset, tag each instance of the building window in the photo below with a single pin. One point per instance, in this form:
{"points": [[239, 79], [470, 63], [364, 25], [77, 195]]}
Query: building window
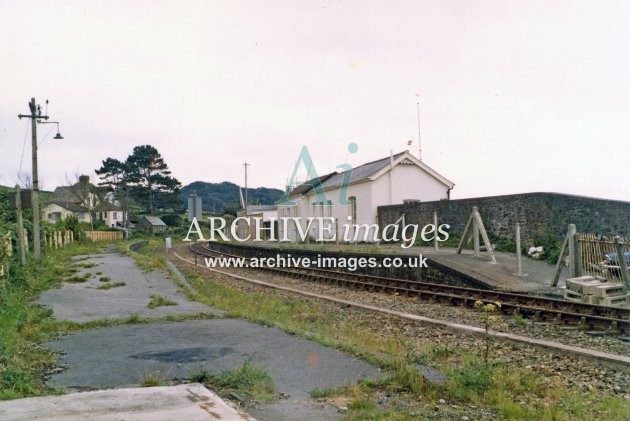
{"points": [[81, 215], [353, 209], [115, 216]]}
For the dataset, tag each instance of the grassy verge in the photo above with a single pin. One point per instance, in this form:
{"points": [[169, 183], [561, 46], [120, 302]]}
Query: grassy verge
{"points": [[504, 390], [23, 325]]}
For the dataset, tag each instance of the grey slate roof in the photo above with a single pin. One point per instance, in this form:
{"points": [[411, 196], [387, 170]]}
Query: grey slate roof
{"points": [[361, 173], [154, 221], [260, 208]]}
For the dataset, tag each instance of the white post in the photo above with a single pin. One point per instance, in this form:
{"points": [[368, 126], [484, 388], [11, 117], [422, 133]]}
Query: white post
{"points": [[519, 267]]}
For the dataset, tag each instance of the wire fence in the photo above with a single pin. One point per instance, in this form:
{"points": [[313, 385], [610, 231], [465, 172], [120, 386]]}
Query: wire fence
{"points": [[598, 256]]}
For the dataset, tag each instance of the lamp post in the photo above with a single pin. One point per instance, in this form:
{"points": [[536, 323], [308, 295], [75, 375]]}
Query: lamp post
{"points": [[36, 116]]}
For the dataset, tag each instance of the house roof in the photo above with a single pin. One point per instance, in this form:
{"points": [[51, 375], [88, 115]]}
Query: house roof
{"points": [[368, 171], [251, 209], [69, 197], [71, 206], [77, 207], [154, 220], [67, 193]]}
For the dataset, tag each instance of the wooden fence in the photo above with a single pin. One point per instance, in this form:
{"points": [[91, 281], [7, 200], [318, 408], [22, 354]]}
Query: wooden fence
{"points": [[593, 250], [104, 235]]}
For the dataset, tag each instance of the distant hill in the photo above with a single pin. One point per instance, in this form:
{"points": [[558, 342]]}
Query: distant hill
{"points": [[222, 197]]}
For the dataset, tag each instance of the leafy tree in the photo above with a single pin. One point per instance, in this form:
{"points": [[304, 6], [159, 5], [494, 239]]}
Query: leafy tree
{"points": [[151, 178], [117, 175]]}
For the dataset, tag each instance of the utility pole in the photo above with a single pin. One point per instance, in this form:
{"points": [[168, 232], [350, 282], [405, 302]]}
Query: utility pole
{"points": [[36, 114]]}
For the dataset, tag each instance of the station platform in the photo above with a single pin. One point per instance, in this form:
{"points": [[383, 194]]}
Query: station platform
{"points": [[537, 274]]}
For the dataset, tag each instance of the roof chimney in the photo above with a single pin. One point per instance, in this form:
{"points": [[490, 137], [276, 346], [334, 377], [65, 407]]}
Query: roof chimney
{"points": [[84, 179]]}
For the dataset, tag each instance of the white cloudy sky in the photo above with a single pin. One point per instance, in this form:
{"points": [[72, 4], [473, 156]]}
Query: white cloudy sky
{"points": [[516, 96]]}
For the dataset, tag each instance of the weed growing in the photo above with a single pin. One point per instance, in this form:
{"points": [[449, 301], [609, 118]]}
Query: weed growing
{"points": [[111, 285], [151, 379], [160, 301], [247, 380]]}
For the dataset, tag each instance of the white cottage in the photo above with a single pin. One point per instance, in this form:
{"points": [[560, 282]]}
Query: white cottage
{"points": [[396, 179], [86, 201]]}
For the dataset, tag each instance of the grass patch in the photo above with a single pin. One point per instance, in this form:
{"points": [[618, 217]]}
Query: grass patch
{"points": [[200, 375], [160, 301], [471, 379], [86, 265], [105, 279], [76, 279], [520, 320], [151, 379], [148, 257], [327, 392], [111, 285], [247, 380]]}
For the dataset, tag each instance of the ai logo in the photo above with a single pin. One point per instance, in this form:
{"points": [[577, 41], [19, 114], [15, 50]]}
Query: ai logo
{"points": [[315, 182]]}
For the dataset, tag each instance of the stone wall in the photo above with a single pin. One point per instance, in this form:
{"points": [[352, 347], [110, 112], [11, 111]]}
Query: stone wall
{"points": [[537, 213]]}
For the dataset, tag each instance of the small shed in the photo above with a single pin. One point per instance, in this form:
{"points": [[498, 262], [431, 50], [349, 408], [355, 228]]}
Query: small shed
{"points": [[153, 224]]}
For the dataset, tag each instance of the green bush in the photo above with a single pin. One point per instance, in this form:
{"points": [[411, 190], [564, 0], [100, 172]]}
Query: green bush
{"points": [[551, 247], [473, 376]]}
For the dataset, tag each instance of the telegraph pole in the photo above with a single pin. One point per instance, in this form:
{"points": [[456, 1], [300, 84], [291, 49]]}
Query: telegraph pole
{"points": [[36, 114]]}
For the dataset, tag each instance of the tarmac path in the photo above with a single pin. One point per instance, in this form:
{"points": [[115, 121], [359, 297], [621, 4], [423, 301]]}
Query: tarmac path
{"points": [[119, 356]]}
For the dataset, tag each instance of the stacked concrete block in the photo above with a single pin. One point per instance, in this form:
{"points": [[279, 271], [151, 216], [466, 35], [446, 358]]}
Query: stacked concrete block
{"points": [[596, 290]]}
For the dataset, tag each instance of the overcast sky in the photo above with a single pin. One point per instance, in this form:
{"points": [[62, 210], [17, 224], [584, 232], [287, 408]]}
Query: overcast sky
{"points": [[517, 96]]}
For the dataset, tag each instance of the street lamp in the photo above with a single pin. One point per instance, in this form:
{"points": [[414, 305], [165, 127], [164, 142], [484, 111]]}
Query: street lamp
{"points": [[57, 136], [36, 117]]}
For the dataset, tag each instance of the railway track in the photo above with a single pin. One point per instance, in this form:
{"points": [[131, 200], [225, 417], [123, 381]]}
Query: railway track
{"points": [[588, 316]]}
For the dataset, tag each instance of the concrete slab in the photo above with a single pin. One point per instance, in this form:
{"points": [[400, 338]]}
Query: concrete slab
{"points": [[83, 302], [120, 356], [191, 402]]}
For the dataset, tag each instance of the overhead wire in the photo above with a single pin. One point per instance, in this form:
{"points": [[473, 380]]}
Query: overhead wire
{"points": [[22, 157]]}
